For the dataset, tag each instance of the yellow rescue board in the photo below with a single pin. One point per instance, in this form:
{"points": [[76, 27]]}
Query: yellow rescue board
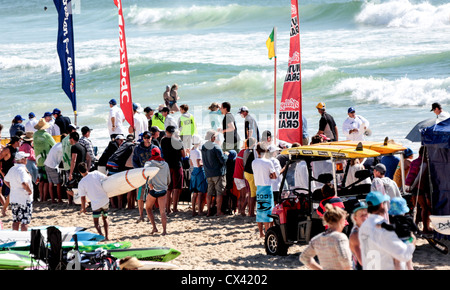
{"points": [[335, 151], [389, 147], [5, 141]]}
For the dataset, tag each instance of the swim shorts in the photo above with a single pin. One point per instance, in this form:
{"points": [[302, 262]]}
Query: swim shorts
{"points": [[176, 180], [103, 211], [216, 185], [251, 182], [21, 213]]}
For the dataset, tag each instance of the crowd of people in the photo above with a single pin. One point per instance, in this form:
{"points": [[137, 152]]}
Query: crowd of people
{"points": [[47, 159]]}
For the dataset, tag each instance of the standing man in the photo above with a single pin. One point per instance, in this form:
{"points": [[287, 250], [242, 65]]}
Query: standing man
{"points": [[187, 126], [61, 121], [173, 152], [20, 183], [327, 126], [42, 142], [51, 164], [168, 119], [214, 164], [141, 154], [32, 121], [115, 120], [441, 115], [53, 129], [7, 158], [148, 112], [264, 172], [91, 186], [229, 129], [78, 155], [380, 247], [355, 126], [250, 125], [140, 121], [384, 184], [87, 143]]}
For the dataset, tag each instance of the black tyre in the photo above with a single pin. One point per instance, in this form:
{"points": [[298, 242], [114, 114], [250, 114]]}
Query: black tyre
{"points": [[274, 244]]}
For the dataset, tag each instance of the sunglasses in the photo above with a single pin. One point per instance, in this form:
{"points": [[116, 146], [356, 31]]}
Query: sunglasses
{"points": [[147, 137]]}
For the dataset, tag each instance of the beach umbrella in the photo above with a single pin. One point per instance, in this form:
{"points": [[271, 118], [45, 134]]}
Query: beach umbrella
{"points": [[414, 135]]}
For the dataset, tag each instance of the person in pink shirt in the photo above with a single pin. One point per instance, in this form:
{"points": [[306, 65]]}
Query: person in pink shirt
{"points": [[27, 147]]}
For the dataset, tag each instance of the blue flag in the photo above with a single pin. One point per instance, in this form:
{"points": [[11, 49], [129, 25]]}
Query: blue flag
{"points": [[65, 47]]}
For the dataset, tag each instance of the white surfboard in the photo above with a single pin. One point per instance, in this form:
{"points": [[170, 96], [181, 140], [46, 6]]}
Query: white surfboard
{"points": [[441, 223], [123, 182], [7, 236], [152, 265]]}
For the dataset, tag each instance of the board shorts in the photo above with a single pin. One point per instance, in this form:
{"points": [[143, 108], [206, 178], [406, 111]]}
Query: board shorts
{"points": [[103, 211], [53, 175], [216, 185], [176, 178], [251, 183], [42, 174], [240, 183], [198, 181], [21, 213], [264, 203]]}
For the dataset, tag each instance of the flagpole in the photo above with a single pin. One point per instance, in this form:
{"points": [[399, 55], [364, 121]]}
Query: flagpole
{"points": [[275, 133]]}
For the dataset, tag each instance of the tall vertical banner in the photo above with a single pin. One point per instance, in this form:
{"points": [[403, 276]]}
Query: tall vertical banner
{"points": [[290, 113], [66, 50], [126, 102]]}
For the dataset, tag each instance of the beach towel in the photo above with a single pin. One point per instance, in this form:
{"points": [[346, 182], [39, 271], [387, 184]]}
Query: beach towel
{"points": [[264, 203]]}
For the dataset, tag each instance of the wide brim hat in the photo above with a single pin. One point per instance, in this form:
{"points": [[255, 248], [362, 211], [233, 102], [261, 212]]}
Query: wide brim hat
{"points": [[28, 136], [42, 125], [132, 263]]}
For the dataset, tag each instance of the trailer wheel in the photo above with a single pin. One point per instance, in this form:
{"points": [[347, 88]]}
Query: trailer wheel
{"points": [[274, 243]]}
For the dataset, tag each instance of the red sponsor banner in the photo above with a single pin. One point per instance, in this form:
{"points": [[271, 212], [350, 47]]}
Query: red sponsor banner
{"points": [[126, 103], [290, 114]]}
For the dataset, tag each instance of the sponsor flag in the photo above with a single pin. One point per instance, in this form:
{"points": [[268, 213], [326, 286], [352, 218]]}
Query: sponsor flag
{"points": [[290, 114], [66, 51], [270, 43], [126, 103]]}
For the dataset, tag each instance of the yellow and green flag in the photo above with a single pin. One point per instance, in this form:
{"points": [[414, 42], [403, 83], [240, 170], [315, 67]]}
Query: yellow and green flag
{"points": [[270, 43]]}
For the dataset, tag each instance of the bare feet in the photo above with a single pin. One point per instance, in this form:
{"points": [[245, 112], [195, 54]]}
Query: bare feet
{"points": [[155, 230]]}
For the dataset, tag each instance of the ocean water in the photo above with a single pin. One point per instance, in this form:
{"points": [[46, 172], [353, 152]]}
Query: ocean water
{"points": [[389, 59]]}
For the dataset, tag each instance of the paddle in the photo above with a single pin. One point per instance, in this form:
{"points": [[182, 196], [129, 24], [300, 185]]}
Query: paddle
{"points": [[434, 243]]}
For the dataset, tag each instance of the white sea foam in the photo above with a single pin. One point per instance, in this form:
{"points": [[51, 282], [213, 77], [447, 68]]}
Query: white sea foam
{"points": [[404, 13], [399, 92]]}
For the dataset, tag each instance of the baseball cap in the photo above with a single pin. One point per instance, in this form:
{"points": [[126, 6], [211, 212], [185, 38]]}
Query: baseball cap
{"points": [[21, 155], [398, 206], [242, 109], [210, 134], [72, 127], [376, 198], [47, 114], [380, 167], [31, 115], [359, 205], [19, 118], [56, 111], [120, 137], [137, 107], [146, 134], [351, 110], [320, 105], [435, 106], [408, 152], [154, 129], [85, 129], [272, 148], [113, 102]]}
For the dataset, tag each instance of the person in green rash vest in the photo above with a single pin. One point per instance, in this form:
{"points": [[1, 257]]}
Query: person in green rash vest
{"points": [[187, 126], [42, 142], [67, 156]]}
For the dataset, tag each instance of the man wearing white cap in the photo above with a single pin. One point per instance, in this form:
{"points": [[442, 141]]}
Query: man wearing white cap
{"points": [[19, 180], [250, 125]]}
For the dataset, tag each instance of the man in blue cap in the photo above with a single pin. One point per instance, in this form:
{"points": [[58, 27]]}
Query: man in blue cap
{"points": [[379, 247], [17, 125], [32, 121], [115, 120], [355, 127], [61, 121]]}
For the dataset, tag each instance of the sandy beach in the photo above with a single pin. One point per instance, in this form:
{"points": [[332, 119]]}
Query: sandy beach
{"points": [[206, 243]]}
